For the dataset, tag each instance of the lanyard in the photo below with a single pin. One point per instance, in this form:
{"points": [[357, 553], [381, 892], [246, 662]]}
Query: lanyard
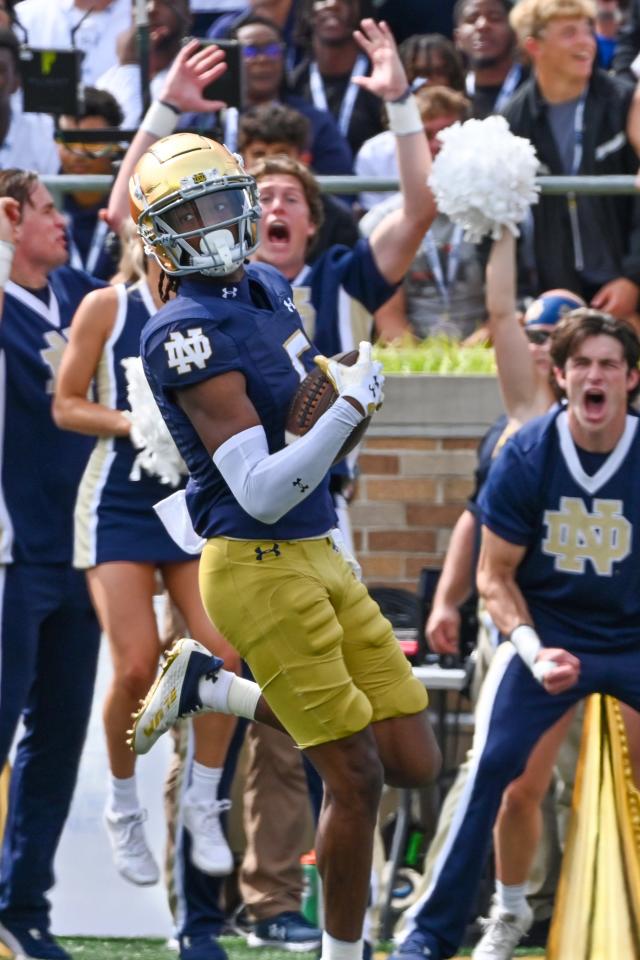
{"points": [[319, 97], [508, 87], [95, 248], [572, 202], [453, 262]]}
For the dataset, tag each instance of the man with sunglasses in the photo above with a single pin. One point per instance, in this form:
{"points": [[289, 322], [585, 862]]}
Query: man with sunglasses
{"points": [[89, 247]]}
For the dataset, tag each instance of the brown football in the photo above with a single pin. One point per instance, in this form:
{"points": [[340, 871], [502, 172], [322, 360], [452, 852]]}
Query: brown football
{"points": [[313, 397]]}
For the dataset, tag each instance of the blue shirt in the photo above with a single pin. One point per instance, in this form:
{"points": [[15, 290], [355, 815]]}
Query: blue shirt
{"points": [[580, 574]]}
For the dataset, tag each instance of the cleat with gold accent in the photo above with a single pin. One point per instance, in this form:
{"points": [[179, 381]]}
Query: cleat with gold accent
{"points": [[174, 693]]}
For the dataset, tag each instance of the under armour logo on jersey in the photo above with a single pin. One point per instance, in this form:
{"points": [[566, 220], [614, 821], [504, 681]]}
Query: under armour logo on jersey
{"points": [[229, 293], [289, 304], [299, 483], [575, 535], [261, 554], [185, 352]]}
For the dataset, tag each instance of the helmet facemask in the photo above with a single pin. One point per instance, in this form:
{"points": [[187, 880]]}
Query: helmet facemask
{"points": [[208, 225]]}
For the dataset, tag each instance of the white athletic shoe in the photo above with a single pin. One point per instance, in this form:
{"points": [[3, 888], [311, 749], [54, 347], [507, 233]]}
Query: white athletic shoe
{"points": [[210, 851], [502, 933], [174, 693], [131, 854]]}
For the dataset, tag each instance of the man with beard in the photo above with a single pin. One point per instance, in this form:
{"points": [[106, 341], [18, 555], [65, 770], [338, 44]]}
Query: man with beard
{"points": [[484, 37]]}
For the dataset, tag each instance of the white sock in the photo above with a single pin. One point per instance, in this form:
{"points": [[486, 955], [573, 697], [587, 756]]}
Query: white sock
{"points": [[228, 693], [333, 949], [123, 795], [512, 897], [204, 783]]}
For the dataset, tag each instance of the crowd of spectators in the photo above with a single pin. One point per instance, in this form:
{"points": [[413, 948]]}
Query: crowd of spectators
{"points": [[566, 81]]}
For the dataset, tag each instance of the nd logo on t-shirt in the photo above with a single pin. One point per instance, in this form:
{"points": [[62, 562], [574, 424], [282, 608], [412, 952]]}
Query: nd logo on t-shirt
{"points": [[574, 535]]}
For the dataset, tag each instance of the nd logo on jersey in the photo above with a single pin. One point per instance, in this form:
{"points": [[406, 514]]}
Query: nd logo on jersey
{"points": [[194, 349], [575, 535]]}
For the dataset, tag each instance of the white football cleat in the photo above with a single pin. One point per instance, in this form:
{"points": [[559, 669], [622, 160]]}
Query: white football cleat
{"points": [[174, 693]]}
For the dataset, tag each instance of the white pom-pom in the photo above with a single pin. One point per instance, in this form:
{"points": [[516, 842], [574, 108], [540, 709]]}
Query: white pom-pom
{"points": [[484, 177], [158, 454]]}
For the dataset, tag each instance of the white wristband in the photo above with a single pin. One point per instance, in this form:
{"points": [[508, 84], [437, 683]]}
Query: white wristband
{"points": [[6, 259], [527, 643], [404, 118], [160, 120]]}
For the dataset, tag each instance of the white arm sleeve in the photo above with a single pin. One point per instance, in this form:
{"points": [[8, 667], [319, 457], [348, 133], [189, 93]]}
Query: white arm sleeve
{"points": [[268, 486]]}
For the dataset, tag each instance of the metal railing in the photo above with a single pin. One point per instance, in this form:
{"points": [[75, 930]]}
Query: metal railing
{"points": [[66, 183]]}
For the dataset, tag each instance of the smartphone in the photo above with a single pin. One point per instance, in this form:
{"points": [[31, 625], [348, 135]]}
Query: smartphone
{"points": [[230, 86]]}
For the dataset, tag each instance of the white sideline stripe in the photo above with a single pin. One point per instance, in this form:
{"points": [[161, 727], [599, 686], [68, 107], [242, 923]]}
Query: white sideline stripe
{"points": [[502, 659]]}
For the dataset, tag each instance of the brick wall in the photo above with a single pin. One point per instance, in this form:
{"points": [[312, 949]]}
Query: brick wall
{"points": [[416, 472]]}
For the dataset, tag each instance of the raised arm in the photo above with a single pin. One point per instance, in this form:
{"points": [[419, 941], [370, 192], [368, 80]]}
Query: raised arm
{"points": [[90, 330], [396, 238], [193, 69], [523, 394]]}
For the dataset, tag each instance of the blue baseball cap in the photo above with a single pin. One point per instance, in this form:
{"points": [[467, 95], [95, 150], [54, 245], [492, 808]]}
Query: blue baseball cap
{"points": [[550, 307]]}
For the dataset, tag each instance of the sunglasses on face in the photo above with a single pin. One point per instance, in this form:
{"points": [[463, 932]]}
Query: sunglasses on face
{"points": [[271, 50], [92, 151], [537, 336]]}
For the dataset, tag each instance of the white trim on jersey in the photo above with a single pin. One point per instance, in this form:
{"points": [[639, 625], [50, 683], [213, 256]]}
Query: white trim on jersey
{"points": [[591, 484], [345, 326], [49, 313], [483, 713], [147, 298], [6, 525], [96, 472]]}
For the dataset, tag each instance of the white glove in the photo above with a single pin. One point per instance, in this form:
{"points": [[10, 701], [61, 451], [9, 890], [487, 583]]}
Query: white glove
{"points": [[362, 382]]}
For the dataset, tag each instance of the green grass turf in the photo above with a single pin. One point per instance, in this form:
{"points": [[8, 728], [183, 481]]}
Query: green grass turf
{"points": [[93, 948]]}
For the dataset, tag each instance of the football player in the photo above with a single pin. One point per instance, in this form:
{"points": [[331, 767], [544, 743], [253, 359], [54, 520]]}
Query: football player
{"points": [[224, 359]]}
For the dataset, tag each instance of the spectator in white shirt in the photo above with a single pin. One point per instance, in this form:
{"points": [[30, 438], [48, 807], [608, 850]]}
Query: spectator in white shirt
{"points": [[26, 139], [97, 25]]}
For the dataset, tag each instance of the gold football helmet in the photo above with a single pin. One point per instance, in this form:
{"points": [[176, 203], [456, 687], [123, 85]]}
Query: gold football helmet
{"points": [[195, 208]]}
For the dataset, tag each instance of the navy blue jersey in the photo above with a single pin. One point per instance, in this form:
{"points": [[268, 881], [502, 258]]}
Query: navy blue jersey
{"points": [[114, 515], [41, 465], [579, 575], [215, 326], [331, 294]]}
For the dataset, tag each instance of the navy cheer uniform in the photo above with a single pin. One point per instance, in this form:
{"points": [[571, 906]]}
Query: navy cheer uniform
{"points": [[114, 515], [577, 514], [49, 633]]}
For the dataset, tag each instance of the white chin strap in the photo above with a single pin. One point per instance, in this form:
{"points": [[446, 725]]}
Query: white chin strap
{"points": [[218, 244]]}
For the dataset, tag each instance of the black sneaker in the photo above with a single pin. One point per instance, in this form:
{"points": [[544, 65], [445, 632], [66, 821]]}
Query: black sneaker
{"points": [[202, 946], [289, 931], [30, 942]]}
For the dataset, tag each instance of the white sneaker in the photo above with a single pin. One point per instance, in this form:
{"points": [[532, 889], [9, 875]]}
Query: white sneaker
{"points": [[502, 933], [131, 854], [210, 851]]}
